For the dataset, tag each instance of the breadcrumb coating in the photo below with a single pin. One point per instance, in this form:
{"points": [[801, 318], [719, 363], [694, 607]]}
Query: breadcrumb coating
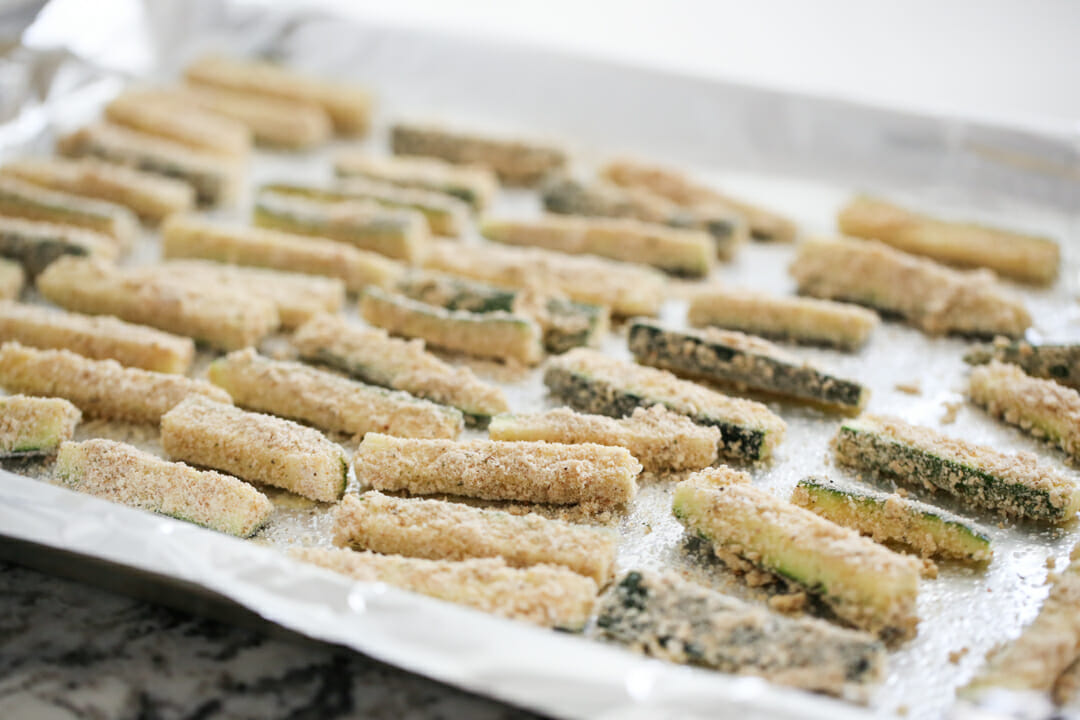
{"points": [[151, 197], [474, 185], [35, 245], [185, 124], [22, 199], [328, 400], [225, 317], [100, 388], [803, 320], [371, 355], [33, 425], [932, 297], [12, 279], [124, 474], [96, 337], [661, 440], [545, 595], [537, 472], [255, 447], [1016, 255], [439, 530], [1041, 407]]}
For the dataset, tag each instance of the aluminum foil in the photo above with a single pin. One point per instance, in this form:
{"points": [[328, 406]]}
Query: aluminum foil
{"points": [[800, 155]]}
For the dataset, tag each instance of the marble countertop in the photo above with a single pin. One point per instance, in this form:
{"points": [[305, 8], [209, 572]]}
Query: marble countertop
{"points": [[70, 651]]}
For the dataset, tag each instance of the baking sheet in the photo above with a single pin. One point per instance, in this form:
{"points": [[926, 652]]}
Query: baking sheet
{"points": [[799, 155]]}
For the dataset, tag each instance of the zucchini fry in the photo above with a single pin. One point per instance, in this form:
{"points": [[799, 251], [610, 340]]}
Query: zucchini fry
{"points": [[22, 199], [1060, 362], [475, 186], [34, 425], [35, 245], [274, 122], [184, 124]]}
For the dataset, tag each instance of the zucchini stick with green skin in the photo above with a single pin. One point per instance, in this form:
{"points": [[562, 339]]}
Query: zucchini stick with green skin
{"points": [[275, 122], [445, 215], [35, 245], [664, 616], [227, 318], [536, 472], [439, 530], [184, 124], [151, 197], [1054, 361], [742, 360], [348, 106], [12, 279], [545, 595], [393, 232], [567, 196], [34, 425], [793, 319], [21, 199], [624, 288], [96, 337], [565, 324], [371, 355], [660, 439], [191, 236], [473, 185], [515, 162], [255, 447], [1016, 255], [1042, 408], [328, 400], [934, 298], [678, 251], [100, 388], [498, 335], [589, 381], [215, 178], [928, 530], [864, 583], [121, 473], [1015, 485]]}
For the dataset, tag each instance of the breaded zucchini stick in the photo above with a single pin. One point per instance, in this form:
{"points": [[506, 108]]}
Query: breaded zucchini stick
{"points": [[660, 439], [445, 215], [545, 595], [223, 317], [393, 232], [12, 279], [191, 236], [348, 105], [745, 361], [275, 122], [673, 185], [99, 338], [371, 355], [100, 388], [1045, 648], [498, 335], [536, 472], [624, 288], [932, 297], [22, 199], [1042, 408], [187, 125], [215, 178], [328, 400], [1055, 361], [34, 245], [255, 447], [678, 251], [121, 473], [890, 518], [151, 197], [794, 319], [567, 196], [475, 185], [565, 324], [589, 381], [35, 425], [1016, 255], [664, 616], [439, 530], [515, 162], [298, 297], [864, 583], [1016, 485]]}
